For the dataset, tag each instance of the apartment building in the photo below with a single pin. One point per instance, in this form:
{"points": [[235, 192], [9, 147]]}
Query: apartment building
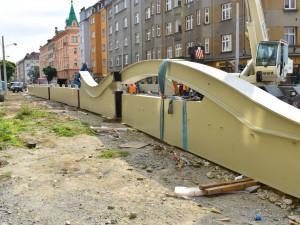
{"points": [[125, 33], [159, 29], [24, 66], [62, 51], [84, 35]]}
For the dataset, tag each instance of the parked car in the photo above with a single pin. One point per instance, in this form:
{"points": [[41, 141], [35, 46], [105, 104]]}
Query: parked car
{"points": [[10, 84], [18, 86]]}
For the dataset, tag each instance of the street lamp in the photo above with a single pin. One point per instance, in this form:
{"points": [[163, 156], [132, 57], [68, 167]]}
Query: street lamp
{"points": [[4, 64]]}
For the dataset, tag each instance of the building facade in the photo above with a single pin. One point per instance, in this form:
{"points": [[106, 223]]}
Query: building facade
{"points": [[84, 35], [62, 51], [25, 65]]}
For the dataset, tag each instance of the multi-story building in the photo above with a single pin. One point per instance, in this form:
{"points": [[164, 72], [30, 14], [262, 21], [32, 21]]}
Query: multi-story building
{"points": [[93, 39], [125, 33], [98, 44], [84, 35], [25, 65], [62, 51]]}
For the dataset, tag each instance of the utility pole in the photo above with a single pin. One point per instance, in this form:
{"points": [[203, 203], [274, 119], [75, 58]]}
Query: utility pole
{"points": [[4, 68]]}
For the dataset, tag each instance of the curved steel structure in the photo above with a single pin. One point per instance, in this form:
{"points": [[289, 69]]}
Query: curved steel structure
{"points": [[236, 125]]}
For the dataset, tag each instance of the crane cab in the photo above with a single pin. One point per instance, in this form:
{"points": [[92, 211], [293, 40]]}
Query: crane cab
{"points": [[271, 61]]}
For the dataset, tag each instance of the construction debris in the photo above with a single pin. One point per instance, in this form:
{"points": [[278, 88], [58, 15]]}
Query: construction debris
{"points": [[227, 186], [134, 144], [188, 191], [215, 211]]}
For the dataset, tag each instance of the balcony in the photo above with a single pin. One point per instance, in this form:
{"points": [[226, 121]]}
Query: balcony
{"points": [[177, 11]]}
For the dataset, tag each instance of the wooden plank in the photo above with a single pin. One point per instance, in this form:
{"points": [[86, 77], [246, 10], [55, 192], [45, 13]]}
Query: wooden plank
{"points": [[205, 186], [230, 187]]}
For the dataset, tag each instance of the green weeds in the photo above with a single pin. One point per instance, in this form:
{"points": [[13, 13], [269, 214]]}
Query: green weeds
{"points": [[107, 154]]}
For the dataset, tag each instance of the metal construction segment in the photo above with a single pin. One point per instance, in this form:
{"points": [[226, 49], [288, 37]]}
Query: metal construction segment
{"points": [[236, 124]]}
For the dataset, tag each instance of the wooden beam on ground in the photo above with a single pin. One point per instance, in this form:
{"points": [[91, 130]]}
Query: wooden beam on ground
{"points": [[205, 186], [230, 187]]}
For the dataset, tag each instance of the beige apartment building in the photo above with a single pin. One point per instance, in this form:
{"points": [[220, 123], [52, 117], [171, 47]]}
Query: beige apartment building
{"points": [[62, 51]]}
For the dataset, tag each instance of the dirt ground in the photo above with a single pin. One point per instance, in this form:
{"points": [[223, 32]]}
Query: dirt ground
{"points": [[63, 181]]}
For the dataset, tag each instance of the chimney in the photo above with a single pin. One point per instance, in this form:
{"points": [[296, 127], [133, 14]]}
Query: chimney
{"points": [[56, 31]]}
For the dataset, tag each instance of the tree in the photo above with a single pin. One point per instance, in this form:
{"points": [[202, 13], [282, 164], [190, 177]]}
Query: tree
{"points": [[50, 72], [34, 73], [10, 69]]}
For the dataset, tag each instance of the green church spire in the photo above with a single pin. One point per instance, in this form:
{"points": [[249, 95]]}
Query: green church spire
{"points": [[72, 16]]}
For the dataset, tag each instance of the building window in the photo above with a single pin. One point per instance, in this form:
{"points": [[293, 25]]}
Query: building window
{"points": [[109, 13], [103, 32], [104, 62], [226, 43], [290, 4], [177, 26], [126, 59], [137, 38], [207, 45], [152, 8], [125, 41], [148, 55], [148, 13], [290, 35], [189, 22], [136, 18], [158, 30], [116, 44], [93, 34], [177, 3], [158, 7], [226, 11], [153, 30], [92, 20], [169, 28], [93, 49], [169, 52], [110, 46], [206, 16], [178, 50], [188, 45], [116, 9], [125, 24], [168, 5], [111, 62], [148, 34], [137, 57], [153, 53], [75, 51], [93, 63], [125, 4], [117, 26], [198, 17], [103, 17], [159, 53], [117, 61], [75, 63], [103, 47], [136, 1], [188, 1], [110, 29]]}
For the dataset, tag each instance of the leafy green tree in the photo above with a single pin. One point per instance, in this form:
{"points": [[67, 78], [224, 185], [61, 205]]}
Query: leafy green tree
{"points": [[50, 72], [34, 73], [10, 69]]}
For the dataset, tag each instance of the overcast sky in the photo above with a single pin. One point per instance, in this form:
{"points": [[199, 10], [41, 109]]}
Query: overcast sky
{"points": [[30, 23]]}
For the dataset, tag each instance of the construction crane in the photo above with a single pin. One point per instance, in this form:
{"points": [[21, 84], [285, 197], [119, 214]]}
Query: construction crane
{"points": [[270, 62]]}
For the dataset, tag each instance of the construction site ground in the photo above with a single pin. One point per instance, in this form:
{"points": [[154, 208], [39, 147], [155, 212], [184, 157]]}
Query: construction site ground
{"points": [[64, 181]]}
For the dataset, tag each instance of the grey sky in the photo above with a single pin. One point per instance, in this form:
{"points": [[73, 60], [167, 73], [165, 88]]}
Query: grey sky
{"points": [[31, 23]]}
